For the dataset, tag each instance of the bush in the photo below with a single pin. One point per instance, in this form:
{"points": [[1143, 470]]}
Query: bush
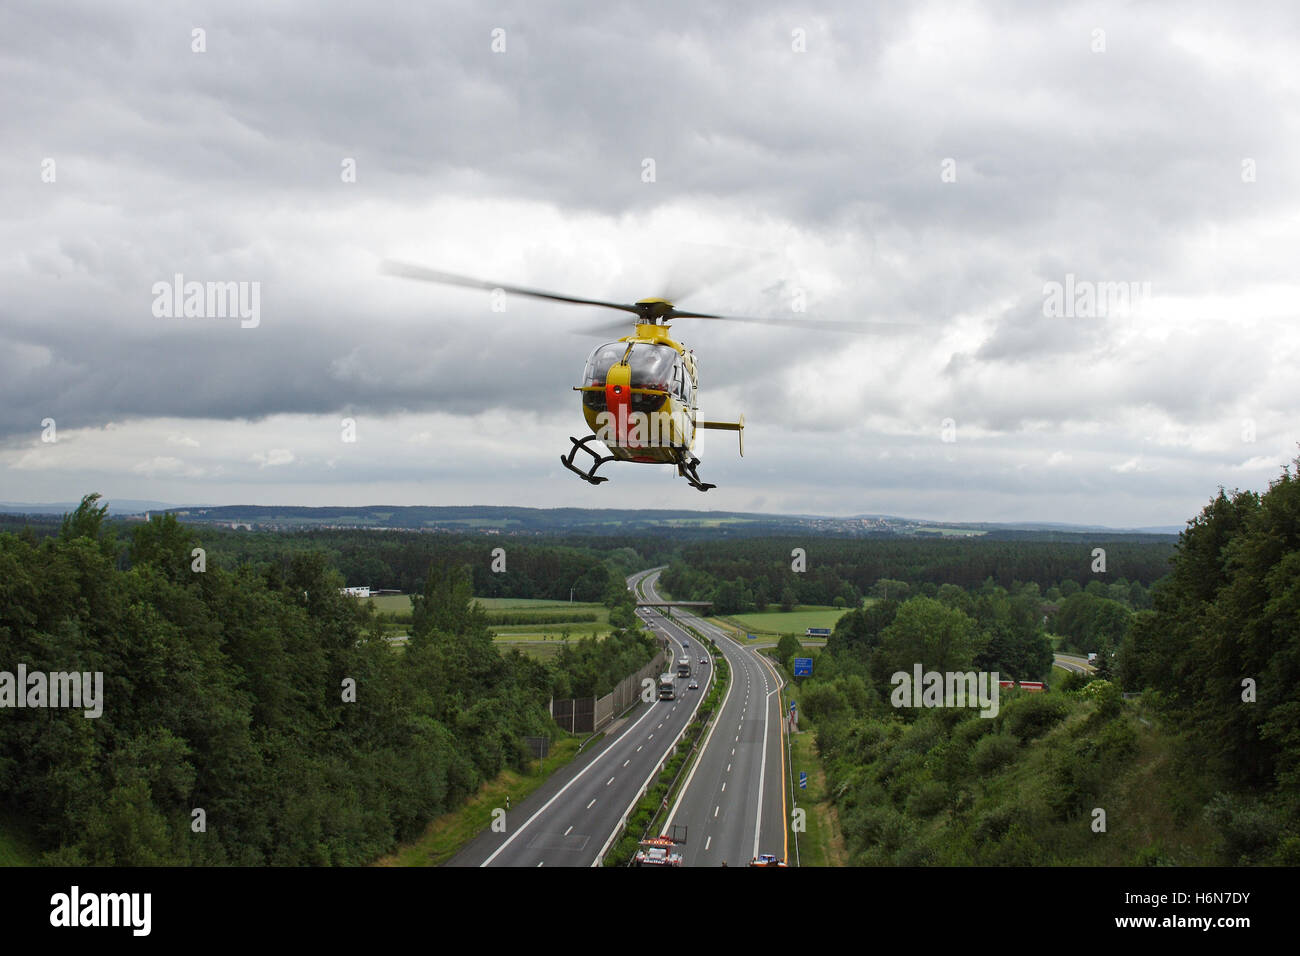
{"points": [[927, 800], [1032, 715], [1246, 827], [994, 752]]}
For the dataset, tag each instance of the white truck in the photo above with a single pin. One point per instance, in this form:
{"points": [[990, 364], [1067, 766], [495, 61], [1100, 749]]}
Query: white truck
{"points": [[657, 851]]}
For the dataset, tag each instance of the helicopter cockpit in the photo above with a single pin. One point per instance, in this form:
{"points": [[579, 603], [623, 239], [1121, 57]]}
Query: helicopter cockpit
{"points": [[653, 366]]}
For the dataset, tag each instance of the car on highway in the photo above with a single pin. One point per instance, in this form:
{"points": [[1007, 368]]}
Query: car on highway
{"points": [[693, 685], [766, 859], [704, 660]]}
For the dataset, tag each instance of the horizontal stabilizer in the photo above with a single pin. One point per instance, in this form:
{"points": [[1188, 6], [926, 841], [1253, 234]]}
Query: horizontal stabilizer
{"points": [[738, 427]]}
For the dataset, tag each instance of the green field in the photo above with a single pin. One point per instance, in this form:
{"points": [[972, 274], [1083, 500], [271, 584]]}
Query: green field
{"points": [[392, 603], [794, 622], [401, 604], [539, 639], [534, 604]]}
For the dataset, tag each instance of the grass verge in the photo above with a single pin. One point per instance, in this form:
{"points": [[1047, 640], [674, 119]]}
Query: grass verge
{"points": [[451, 832]]}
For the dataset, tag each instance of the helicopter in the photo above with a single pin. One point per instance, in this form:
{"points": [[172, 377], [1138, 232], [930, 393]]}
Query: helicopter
{"points": [[639, 393]]}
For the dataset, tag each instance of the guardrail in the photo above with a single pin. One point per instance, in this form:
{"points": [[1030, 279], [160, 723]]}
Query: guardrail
{"points": [[671, 752]]}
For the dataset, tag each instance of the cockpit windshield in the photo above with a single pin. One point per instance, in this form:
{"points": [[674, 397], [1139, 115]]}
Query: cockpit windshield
{"points": [[652, 365], [600, 362]]}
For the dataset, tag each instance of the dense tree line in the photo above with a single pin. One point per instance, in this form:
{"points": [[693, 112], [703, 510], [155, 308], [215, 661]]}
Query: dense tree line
{"points": [[1221, 650], [1214, 766], [992, 630], [257, 694], [544, 568], [744, 574]]}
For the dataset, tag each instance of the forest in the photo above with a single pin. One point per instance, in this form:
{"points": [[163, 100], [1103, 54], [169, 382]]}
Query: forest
{"points": [[1183, 748], [742, 575], [252, 714]]}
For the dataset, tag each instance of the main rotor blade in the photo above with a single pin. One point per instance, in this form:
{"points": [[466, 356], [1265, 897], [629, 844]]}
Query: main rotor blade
{"points": [[606, 329], [407, 271], [821, 325]]}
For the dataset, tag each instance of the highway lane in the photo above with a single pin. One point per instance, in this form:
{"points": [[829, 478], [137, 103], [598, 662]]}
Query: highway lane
{"points": [[1078, 665], [733, 803], [570, 819]]}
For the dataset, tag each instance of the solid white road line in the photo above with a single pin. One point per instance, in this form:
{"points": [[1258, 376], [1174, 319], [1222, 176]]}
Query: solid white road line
{"points": [[762, 766], [544, 807]]}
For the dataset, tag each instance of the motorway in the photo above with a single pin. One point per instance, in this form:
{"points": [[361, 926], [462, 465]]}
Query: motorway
{"points": [[571, 818], [1069, 662], [733, 802]]}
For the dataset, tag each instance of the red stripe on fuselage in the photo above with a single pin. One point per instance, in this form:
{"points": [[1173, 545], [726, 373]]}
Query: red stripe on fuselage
{"points": [[618, 400]]}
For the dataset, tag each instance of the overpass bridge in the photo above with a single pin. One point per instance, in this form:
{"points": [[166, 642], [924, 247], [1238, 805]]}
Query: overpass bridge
{"points": [[699, 604]]}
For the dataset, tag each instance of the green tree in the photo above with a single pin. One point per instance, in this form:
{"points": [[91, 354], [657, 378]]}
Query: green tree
{"points": [[788, 599], [926, 632]]}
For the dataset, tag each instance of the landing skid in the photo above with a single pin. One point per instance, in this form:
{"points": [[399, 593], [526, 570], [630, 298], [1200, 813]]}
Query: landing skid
{"points": [[590, 474], [686, 464]]}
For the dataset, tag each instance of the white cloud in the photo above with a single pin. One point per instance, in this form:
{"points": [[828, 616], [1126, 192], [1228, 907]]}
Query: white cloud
{"points": [[820, 171], [272, 458]]}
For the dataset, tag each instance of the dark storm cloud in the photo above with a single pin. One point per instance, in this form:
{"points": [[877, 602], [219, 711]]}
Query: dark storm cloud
{"points": [[225, 166]]}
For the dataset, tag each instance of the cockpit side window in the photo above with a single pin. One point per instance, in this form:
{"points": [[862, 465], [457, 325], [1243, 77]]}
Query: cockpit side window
{"points": [[601, 360]]}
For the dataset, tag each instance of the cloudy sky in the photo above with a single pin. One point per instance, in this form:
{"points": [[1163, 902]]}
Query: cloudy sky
{"points": [[988, 176]]}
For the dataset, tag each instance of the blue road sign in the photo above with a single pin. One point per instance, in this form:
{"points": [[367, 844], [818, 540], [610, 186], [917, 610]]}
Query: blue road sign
{"points": [[753, 637], [803, 780], [792, 706], [803, 667]]}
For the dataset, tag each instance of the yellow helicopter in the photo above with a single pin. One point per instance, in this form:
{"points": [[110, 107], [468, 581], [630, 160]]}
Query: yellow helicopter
{"points": [[639, 393]]}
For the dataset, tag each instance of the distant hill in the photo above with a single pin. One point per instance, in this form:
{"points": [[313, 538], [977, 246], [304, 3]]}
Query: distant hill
{"points": [[492, 519], [116, 506]]}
